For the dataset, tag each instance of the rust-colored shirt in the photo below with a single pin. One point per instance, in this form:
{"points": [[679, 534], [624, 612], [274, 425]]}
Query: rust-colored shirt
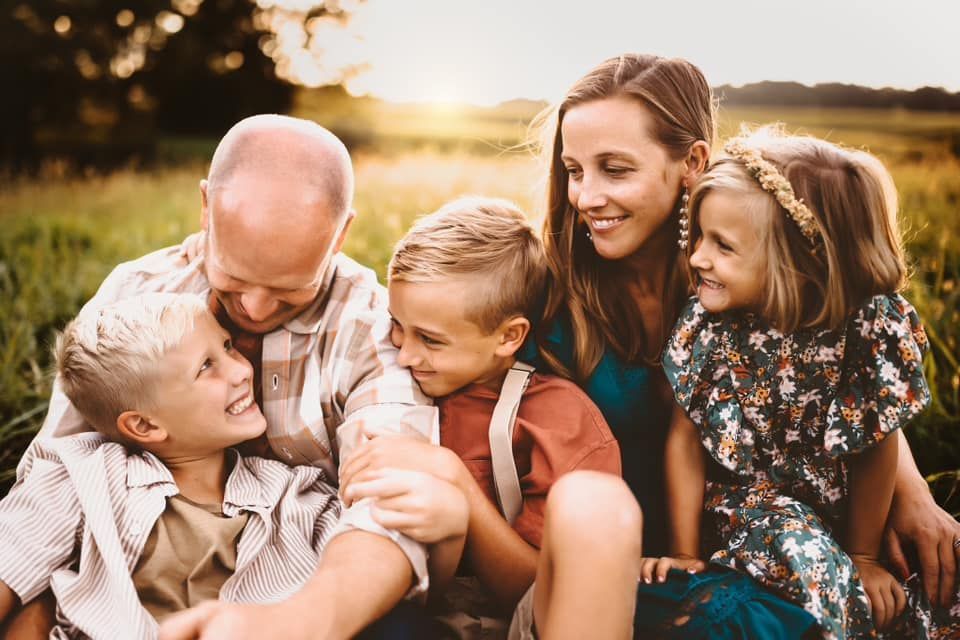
{"points": [[558, 430]]}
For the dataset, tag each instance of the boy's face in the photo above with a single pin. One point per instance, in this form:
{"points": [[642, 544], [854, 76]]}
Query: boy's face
{"points": [[204, 393], [443, 350]]}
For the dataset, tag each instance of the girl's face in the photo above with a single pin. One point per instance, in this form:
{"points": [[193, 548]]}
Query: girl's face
{"points": [[622, 182], [728, 258]]}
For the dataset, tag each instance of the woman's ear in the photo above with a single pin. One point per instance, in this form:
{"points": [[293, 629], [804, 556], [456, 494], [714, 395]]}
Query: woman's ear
{"points": [[512, 332], [136, 427], [696, 163]]}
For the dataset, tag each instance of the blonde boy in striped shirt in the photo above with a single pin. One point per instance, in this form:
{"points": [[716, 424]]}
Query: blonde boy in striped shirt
{"points": [[153, 513]]}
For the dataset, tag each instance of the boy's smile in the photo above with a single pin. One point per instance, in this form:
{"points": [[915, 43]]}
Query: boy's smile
{"points": [[204, 393], [442, 348]]}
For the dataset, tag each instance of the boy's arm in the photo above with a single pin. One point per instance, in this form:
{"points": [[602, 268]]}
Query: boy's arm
{"points": [[685, 471]]}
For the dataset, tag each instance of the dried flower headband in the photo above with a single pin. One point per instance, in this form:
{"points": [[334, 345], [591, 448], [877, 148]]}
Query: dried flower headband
{"points": [[777, 185]]}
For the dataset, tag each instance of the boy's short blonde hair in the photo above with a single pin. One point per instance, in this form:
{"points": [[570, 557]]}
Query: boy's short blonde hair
{"points": [[107, 358], [857, 252], [487, 240]]}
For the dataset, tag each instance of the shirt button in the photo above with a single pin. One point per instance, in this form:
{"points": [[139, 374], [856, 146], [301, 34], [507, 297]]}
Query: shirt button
{"points": [[276, 382]]}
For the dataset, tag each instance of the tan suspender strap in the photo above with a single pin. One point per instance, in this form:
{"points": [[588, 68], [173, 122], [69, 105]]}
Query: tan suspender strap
{"points": [[505, 477]]}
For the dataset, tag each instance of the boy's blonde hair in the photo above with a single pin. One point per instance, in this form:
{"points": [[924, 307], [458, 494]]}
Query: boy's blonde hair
{"points": [[485, 239], [107, 358], [857, 252]]}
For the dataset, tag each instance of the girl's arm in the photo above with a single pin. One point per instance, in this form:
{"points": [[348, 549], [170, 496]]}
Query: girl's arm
{"points": [[871, 481], [685, 471]]}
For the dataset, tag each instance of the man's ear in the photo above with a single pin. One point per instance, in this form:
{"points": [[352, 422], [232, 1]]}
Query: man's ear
{"points": [[338, 242], [136, 427], [513, 332], [204, 205], [696, 163]]}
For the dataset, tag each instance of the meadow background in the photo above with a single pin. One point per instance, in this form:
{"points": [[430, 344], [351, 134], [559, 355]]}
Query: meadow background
{"points": [[61, 231]]}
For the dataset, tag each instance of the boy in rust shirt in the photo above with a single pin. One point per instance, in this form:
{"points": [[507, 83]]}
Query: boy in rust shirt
{"points": [[462, 286]]}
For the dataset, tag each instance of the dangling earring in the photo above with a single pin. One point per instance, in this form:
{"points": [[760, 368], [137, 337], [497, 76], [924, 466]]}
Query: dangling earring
{"points": [[589, 235], [684, 223]]}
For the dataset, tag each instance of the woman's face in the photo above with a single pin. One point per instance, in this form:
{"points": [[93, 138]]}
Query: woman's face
{"points": [[623, 183]]}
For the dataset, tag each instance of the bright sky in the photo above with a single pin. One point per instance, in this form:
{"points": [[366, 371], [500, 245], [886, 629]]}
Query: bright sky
{"points": [[487, 51]]}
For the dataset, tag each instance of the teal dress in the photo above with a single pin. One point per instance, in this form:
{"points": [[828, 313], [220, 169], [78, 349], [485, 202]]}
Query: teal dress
{"points": [[718, 603]]}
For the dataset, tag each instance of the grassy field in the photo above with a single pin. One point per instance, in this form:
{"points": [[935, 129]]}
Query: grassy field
{"points": [[60, 236]]}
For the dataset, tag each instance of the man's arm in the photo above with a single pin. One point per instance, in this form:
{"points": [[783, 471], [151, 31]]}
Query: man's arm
{"points": [[360, 578], [8, 601]]}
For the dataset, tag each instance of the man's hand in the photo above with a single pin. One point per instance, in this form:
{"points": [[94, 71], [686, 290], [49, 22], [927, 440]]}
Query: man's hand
{"points": [[917, 519], [415, 503], [651, 568], [887, 599], [216, 620], [400, 452]]}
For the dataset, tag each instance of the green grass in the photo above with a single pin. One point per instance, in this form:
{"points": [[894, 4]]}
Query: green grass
{"points": [[59, 236]]}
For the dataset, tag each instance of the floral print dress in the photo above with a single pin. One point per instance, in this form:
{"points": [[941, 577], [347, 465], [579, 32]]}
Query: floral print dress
{"points": [[778, 413]]}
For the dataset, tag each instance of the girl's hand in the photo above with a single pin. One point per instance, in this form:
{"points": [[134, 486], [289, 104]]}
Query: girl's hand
{"points": [[651, 568], [887, 599], [399, 452], [414, 503], [192, 245]]}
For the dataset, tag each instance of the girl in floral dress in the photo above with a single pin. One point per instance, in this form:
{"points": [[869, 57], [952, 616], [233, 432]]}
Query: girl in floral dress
{"points": [[792, 370]]}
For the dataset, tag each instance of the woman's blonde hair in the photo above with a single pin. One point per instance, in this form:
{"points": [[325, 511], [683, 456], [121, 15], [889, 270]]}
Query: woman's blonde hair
{"points": [[681, 105], [108, 357], [486, 240], [857, 251]]}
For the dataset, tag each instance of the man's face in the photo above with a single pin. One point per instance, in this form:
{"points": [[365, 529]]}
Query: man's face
{"points": [[204, 393], [269, 244], [442, 348]]}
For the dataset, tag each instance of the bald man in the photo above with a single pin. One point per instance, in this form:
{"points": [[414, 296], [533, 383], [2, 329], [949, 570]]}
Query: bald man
{"points": [[276, 207]]}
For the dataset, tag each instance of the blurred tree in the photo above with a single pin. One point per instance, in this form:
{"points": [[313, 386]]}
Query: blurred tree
{"points": [[94, 81]]}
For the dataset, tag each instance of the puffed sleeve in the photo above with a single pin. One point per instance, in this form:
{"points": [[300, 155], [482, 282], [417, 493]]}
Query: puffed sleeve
{"points": [[881, 387], [702, 367]]}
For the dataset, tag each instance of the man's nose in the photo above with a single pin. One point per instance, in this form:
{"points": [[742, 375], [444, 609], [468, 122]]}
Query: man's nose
{"points": [[258, 304]]}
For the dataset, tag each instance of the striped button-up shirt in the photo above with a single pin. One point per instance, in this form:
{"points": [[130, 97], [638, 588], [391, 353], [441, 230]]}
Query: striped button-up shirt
{"points": [[329, 377], [79, 519]]}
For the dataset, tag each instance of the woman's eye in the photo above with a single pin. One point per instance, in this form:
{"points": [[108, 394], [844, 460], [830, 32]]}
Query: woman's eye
{"points": [[228, 345], [574, 172], [615, 171]]}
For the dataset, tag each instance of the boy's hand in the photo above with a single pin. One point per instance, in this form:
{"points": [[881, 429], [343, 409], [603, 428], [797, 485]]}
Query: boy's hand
{"points": [[651, 568], [887, 599], [399, 452], [415, 503]]}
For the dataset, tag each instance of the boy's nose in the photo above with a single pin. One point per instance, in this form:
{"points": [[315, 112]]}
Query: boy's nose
{"points": [[406, 357]]}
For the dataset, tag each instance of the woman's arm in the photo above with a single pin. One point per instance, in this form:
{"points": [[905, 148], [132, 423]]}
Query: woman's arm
{"points": [[871, 492], [916, 518]]}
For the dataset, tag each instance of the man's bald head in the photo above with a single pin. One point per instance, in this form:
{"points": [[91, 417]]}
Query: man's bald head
{"points": [[276, 207], [268, 146]]}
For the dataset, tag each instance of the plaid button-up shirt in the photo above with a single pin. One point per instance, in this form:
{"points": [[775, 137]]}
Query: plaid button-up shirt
{"points": [[79, 520], [329, 377]]}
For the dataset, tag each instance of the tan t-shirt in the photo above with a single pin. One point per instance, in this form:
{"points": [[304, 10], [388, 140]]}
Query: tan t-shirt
{"points": [[190, 553]]}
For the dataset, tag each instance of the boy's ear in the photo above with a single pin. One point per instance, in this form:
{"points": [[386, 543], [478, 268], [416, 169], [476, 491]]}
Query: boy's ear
{"points": [[136, 427], [512, 332]]}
